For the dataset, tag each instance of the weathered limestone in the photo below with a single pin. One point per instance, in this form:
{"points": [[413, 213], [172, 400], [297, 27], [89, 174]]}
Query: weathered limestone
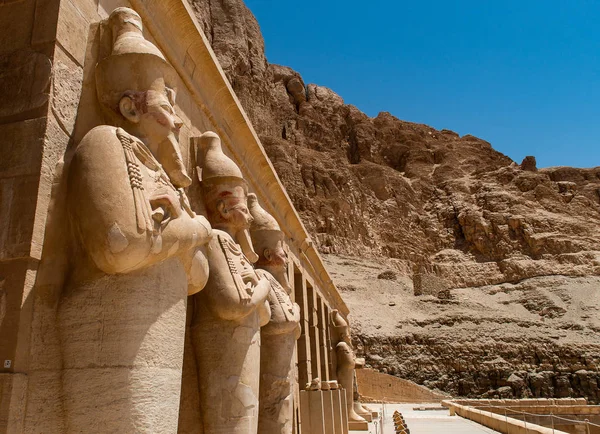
{"points": [[338, 418], [345, 362], [232, 308], [311, 404], [278, 337], [137, 249], [69, 286]]}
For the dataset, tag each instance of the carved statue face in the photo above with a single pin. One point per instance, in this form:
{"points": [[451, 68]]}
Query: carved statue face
{"points": [[241, 216], [157, 124], [153, 114], [275, 257], [160, 121], [235, 213]]}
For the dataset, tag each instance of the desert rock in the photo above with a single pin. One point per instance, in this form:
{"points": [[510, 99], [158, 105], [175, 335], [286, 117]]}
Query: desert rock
{"points": [[444, 208]]}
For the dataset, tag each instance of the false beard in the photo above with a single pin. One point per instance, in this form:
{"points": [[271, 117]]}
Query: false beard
{"points": [[169, 156], [243, 239]]}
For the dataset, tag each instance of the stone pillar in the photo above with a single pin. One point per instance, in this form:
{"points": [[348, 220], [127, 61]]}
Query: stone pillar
{"points": [[323, 345], [303, 343], [344, 405], [133, 244], [328, 412], [311, 405], [233, 306], [314, 333], [337, 411]]}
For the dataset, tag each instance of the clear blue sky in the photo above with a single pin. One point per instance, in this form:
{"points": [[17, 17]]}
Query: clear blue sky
{"points": [[523, 75]]}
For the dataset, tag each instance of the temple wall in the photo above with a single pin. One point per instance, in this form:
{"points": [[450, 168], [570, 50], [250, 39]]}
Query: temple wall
{"points": [[26, 173], [48, 51], [374, 386]]}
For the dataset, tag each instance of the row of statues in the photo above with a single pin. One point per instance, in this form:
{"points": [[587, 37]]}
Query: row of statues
{"points": [[141, 253]]}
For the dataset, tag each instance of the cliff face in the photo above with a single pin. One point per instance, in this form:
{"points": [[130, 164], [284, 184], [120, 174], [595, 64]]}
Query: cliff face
{"points": [[445, 211]]}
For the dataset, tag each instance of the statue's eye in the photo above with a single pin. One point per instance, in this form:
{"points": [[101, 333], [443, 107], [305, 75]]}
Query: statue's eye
{"points": [[167, 108]]}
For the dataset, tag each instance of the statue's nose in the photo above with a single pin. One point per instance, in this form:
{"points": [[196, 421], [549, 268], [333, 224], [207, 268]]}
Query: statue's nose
{"points": [[178, 122]]}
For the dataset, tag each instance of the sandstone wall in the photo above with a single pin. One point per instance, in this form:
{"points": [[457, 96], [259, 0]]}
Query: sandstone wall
{"points": [[31, 137], [373, 386], [48, 52]]}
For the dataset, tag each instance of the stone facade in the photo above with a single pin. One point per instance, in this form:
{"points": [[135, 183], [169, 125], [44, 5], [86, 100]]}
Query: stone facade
{"points": [[103, 232]]}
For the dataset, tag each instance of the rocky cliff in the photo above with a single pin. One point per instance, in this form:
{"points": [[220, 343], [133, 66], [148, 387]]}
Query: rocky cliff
{"points": [[444, 212]]}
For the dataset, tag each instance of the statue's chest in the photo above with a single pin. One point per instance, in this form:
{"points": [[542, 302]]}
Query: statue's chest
{"points": [[235, 256], [241, 269], [155, 182], [282, 307]]}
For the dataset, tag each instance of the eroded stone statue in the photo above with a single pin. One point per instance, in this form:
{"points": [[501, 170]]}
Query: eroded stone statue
{"points": [[315, 384], [278, 337], [229, 312], [361, 409], [345, 362], [138, 249]]}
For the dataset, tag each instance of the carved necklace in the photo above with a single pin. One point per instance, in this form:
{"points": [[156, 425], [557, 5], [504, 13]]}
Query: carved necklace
{"points": [[284, 302], [245, 290], [135, 151]]}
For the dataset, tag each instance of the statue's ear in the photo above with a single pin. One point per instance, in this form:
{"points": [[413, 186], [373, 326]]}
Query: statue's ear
{"points": [[129, 110], [221, 209], [268, 254]]}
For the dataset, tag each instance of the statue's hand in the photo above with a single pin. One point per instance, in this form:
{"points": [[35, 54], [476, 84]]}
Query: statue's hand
{"points": [[250, 277], [262, 288], [165, 206]]}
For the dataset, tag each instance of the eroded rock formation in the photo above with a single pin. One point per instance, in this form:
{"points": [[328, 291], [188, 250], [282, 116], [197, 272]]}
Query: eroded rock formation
{"points": [[442, 207], [403, 190]]}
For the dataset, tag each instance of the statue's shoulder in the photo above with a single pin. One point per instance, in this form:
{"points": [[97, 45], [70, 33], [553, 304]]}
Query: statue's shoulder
{"points": [[102, 140], [100, 133], [263, 273], [220, 236], [227, 242], [220, 242]]}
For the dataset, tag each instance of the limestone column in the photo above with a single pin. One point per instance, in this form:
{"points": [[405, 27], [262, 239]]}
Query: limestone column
{"points": [[232, 307], [137, 248], [278, 337]]}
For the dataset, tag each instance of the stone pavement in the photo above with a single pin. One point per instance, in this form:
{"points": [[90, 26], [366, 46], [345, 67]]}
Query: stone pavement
{"points": [[425, 422]]}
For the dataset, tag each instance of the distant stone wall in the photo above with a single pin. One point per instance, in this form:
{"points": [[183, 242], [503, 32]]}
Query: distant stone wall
{"points": [[374, 386], [430, 284]]}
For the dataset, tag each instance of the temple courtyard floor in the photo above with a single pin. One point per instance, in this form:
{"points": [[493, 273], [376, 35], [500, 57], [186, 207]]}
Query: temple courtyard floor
{"points": [[424, 421]]}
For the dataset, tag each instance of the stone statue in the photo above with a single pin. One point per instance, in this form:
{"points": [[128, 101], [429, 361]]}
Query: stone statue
{"points": [[138, 249], [362, 410], [278, 337], [345, 362], [229, 312]]}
